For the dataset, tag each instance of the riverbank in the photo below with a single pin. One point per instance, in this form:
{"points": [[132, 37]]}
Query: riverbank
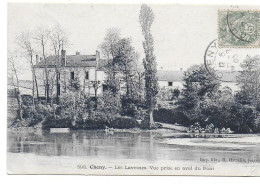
{"points": [[174, 127], [161, 127]]}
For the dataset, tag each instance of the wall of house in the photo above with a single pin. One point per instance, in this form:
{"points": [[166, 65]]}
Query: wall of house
{"points": [[65, 76], [176, 84], [179, 85]]}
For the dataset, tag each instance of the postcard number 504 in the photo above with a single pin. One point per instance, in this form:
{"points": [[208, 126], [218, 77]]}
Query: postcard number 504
{"points": [[81, 167]]}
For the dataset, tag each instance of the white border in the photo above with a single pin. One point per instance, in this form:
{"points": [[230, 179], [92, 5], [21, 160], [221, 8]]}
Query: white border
{"points": [[38, 179]]}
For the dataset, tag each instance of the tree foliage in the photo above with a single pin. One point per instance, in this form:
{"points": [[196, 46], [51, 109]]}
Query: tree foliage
{"points": [[249, 81], [146, 19], [198, 86]]}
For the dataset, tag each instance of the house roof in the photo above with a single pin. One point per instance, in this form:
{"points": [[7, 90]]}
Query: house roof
{"points": [[72, 61], [102, 64], [177, 76], [170, 75]]}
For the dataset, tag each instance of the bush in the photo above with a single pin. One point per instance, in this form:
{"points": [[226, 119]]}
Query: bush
{"points": [[258, 107], [90, 124], [237, 117], [27, 100], [123, 122], [257, 124], [58, 122], [145, 124], [171, 116]]}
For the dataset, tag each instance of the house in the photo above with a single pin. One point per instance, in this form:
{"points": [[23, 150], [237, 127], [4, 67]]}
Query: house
{"points": [[85, 69], [171, 79]]}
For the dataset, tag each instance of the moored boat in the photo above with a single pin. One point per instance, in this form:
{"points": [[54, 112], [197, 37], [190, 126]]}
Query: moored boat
{"points": [[59, 130]]}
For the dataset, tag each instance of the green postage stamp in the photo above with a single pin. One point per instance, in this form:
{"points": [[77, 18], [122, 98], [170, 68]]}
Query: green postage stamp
{"points": [[240, 28]]}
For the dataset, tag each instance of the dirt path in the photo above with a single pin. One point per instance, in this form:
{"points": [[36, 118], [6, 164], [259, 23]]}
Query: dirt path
{"points": [[174, 127]]}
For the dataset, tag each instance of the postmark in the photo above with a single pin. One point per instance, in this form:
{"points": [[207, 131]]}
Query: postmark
{"points": [[221, 61], [239, 28]]}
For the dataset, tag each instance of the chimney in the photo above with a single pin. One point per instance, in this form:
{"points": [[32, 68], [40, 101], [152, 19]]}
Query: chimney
{"points": [[77, 53], [63, 58], [180, 69], [97, 57], [37, 59], [232, 68]]}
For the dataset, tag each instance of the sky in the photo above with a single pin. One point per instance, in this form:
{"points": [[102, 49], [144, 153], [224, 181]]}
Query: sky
{"points": [[181, 32]]}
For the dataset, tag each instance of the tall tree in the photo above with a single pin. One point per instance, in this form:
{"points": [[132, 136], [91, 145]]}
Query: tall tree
{"points": [[146, 19], [59, 39], [42, 36], [25, 42]]}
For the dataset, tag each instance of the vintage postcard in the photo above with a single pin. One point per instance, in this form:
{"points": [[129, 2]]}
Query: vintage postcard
{"points": [[133, 89]]}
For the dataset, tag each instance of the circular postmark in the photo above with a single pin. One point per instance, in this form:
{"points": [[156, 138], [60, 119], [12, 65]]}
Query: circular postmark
{"points": [[221, 63], [243, 25]]}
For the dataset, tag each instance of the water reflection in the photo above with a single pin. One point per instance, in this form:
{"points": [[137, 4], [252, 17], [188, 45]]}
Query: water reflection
{"points": [[144, 145]]}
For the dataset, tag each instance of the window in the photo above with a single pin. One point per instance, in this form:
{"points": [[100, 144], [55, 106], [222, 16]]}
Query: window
{"points": [[87, 75], [72, 75], [169, 83]]}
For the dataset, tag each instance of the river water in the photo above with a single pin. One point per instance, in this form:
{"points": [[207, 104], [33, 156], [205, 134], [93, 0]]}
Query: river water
{"points": [[29, 150]]}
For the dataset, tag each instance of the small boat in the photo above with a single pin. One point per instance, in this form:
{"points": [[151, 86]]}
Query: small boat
{"points": [[59, 130]]}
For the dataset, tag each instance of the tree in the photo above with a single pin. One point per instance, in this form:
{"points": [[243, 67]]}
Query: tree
{"points": [[138, 79], [110, 106], [124, 58], [249, 80], [72, 106], [42, 36], [109, 48], [198, 85], [146, 18], [96, 85], [176, 93], [25, 42], [59, 39], [13, 68], [200, 92]]}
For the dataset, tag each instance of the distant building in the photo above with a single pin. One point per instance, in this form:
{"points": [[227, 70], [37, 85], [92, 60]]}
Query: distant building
{"points": [[170, 79], [84, 68], [174, 79], [89, 68]]}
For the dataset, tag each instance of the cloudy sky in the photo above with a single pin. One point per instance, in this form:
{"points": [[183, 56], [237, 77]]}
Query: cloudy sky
{"points": [[181, 33]]}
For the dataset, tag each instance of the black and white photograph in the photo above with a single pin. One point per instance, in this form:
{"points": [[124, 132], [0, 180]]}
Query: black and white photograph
{"points": [[133, 89]]}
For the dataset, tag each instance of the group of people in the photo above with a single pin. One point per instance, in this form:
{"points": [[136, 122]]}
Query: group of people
{"points": [[196, 128]]}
